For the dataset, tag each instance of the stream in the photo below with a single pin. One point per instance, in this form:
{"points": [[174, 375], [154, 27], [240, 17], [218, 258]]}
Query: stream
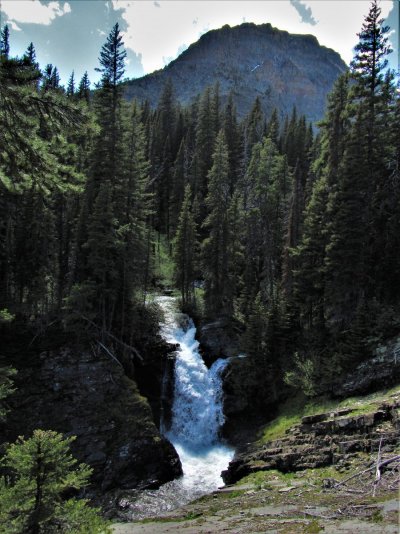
{"points": [[197, 416]]}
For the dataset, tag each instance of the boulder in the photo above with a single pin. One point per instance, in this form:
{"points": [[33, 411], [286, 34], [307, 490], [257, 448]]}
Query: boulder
{"points": [[381, 371]]}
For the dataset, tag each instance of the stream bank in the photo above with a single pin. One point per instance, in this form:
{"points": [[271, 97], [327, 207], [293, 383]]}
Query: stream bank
{"points": [[342, 498]]}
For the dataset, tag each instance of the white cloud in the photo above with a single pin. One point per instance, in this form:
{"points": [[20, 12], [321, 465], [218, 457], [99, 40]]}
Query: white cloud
{"points": [[340, 21], [33, 11], [14, 26], [160, 33]]}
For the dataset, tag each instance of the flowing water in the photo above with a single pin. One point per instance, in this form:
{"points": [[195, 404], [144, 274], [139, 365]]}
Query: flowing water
{"points": [[196, 419]]}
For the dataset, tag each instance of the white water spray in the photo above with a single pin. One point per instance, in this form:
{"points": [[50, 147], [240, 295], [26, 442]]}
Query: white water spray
{"points": [[197, 416]]}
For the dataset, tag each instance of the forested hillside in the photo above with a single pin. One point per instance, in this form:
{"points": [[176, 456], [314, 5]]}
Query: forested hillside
{"points": [[291, 235], [287, 231]]}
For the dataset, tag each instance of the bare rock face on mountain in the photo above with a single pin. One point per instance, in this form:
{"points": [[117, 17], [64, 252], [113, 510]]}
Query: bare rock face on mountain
{"points": [[282, 69]]}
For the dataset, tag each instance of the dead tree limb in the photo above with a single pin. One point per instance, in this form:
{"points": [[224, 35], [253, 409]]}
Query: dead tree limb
{"points": [[378, 470], [107, 351], [374, 466], [134, 351]]}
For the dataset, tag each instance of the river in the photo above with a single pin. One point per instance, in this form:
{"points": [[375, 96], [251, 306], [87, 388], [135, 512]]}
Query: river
{"points": [[197, 416]]}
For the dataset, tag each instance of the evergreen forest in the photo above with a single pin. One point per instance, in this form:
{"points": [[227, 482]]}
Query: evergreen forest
{"points": [[287, 231]]}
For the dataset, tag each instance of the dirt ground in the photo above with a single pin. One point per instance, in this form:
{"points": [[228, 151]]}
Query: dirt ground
{"points": [[277, 506]]}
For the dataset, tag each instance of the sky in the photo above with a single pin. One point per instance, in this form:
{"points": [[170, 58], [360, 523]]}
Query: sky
{"points": [[70, 33]]}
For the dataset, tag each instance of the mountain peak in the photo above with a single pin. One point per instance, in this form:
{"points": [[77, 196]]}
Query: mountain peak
{"points": [[249, 60]]}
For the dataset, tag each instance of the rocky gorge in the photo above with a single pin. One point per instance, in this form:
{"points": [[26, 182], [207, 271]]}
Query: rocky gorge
{"points": [[85, 392]]}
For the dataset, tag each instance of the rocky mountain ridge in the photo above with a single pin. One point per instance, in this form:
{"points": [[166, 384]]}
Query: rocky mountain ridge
{"points": [[282, 69]]}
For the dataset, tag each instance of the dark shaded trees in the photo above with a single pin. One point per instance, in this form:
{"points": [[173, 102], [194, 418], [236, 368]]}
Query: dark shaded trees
{"points": [[186, 252], [218, 297]]}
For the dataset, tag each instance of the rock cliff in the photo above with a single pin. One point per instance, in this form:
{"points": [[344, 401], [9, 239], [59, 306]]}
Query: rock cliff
{"points": [[87, 394], [280, 68], [383, 370], [323, 439]]}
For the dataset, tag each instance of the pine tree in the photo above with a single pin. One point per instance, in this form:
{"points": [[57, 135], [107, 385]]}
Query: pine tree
{"points": [[363, 173], [218, 299], [216, 107], [6, 375], [71, 85], [5, 42], [180, 178], [253, 127], [264, 190], [347, 248], [108, 148], [294, 227], [112, 60], [370, 60], [273, 128], [103, 256], [204, 148], [40, 470], [134, 213], [185, 251], [309, 258], [368, 71], [84, 88], [30, 54], [50, 78], [232, 136], [308, 263]]}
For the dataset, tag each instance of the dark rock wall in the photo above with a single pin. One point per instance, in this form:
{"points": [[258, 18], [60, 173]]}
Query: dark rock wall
{"points": [[381, 371], [87, 394], [247, 404], [153, 376]]}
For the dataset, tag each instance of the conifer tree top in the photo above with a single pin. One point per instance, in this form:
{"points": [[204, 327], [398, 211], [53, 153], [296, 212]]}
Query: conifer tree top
{"points": [[112, 58]]}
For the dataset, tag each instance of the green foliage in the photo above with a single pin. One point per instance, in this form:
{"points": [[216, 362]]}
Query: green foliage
{"points": [[40, 470], [313, 527], [185, 252], [216, 248], [6, 316], [376, 517], [163, 263], [343, 264], [77, 517], [6, 388], [112, 59], [303, 376]]}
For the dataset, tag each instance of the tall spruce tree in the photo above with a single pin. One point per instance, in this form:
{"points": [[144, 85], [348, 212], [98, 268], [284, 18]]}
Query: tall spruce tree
{"points": [[265, 190], [186, 251], [5, 42], [98, 246], [215, 247], [84, 88], [71, 85]]}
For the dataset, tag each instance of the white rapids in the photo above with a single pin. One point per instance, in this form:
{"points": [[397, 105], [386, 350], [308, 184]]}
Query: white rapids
{"points": [[195, 422]]}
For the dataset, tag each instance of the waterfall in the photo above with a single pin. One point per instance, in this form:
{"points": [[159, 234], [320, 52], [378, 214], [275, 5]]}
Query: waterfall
{"points": [[197, 415], [197, 406]]}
